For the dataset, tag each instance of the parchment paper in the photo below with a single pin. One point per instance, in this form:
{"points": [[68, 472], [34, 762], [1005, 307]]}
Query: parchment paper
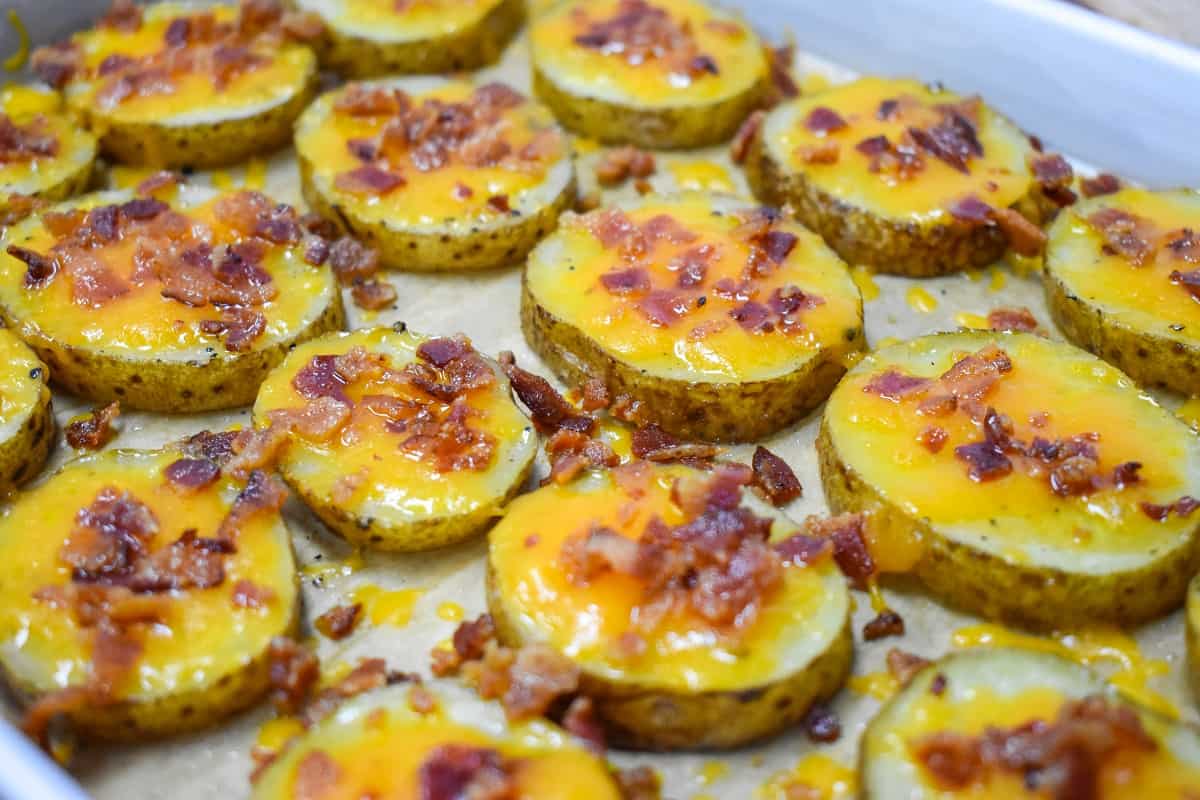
{"points": [[484, 305]]}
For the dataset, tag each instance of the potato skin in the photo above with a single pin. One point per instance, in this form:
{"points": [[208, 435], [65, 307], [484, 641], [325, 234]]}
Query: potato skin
{"points": [[226, 380], [721, 412], [1191, 627], [75, 183], [486, 247], [659, 720], [22, 456], [1042, 598], [359, 57], [677, 127]]}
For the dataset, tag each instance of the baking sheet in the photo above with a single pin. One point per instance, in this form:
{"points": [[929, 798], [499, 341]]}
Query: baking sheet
{"points": [[216, 763]]}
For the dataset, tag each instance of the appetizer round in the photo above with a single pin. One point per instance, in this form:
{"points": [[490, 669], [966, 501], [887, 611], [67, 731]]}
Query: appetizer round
{"points": [[727, 322], [377, 745], [182, 307], [368, 38], [174, 85], [44, 154], [436, 174], [398, 441], [655, 73], [899, 176], [1011, 724], [147, 601], [1019, 478], [26, 417], [1122, 279], [693, 621]]}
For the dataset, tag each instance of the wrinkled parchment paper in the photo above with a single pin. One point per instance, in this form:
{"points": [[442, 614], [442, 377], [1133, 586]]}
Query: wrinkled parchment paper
{"points": [[216, 763]]}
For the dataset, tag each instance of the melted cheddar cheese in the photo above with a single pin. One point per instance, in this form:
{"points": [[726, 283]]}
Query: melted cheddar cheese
{"points": [[143, 321], [454, 195], [389, 483], [205, 634], [193, 99], [22, 381], [1140, 297], [564, 274], [795, 623], [76, 147], [378, 745], [734, 49], [1000, 177], [413, 20], [1017, 516]]}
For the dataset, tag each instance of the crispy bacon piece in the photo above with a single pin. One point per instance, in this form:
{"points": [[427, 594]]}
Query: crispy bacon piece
{"points": [[359, 100], [340, 621], [111, 536], [595, 395], [549, 409], [822, 724], [239, 326], [462, 772], [823, 120], [640, 32], [800, 548], [903, 665], [1054, 176], [1189, 281], [293, 672], [95, 430], [953, 140], [896, 386], [821, 153], [622, 163], [370, 673], [1125, 234], [775, 478], [886, 623], [216, 447], [933, 438], [368, 180], [189, 562], [580, 720], [352, 261], [57, 64], [639, 783], [1025, 238], [317, 774], [122, 15], [739, 149], [634, 280], [570, 452], [1012, 319], [652, 443], [986, 460], [1182, 507], [663, 307], [850, 551], [21, 143], [469, 642], [527, 681], [374, 295], [1102, 184], [263, 493], [247, 594]]}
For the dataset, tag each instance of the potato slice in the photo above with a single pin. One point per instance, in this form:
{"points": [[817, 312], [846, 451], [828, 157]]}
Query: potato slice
{"points": [[366, 39], [63, 170], [723, 327], [186, 657], [376, 743], [205, 115], [26, 417], [372, 482], [1134, 309], [692, 685], [816, 154], [605, 80], [1046, 524], [103, 324], [1192, 635], [457, 201], [964, 694]]}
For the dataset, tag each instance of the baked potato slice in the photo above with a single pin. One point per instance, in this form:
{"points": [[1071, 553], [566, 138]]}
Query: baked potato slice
{"points": [[406, 469], [175, 308], [173, 85], [1192, 636], [147, 601], [727, 323], [661, 675], [483, 182], [47, 156], [848, 161], [367, 39], [1134, 307], [1021, 479], [26, 418], [1025, 701], [376, 743], [604, 78]]}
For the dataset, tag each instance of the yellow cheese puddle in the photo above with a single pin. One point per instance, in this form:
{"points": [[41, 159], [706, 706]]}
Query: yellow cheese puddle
{"points": [[1089, 648], [256, 174], [815, 777], [880, 685], [450, 611], [865, 281], [122, 177], [1189, 412], [921, 300], [277, 732], [999, 279], [701, 176], [332, 569], [386, 606], [711, 772], [967, 319], [17, 60]]}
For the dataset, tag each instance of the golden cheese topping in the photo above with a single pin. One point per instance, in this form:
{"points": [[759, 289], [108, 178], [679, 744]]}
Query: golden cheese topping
{"points": [[184, 91], [795, 622], [832, 139], [710, 295], [659, 53], [495, 156], [377, 746], [204, 633], [1003, 689], [1135, 288], [40, 114], [367, 467], [401, 20], [1059, 400], [22, 381], [111, 298]]}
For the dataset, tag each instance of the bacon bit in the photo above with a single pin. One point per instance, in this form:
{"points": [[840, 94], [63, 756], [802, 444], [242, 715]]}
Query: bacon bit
{"points": [[352, 261], [652, 443], [616, 166], [638, 783], [359, 100], [247, 594], [933, 438], [823, 121], [421, 700], [23, 143], [849, 548], [886, 623], [459, 771], [954, 140], [903, 666], [1025, 238], [896, 386], [1054, 176], [122, 15], [190, 475], [822, 153], [1012, 319], [822, 724], [240, 327], [293, 671], [571, 452], [370, 673], [640, 32], [374, 295], [57, 64], [317, 775], [1102, 184], [157, 182], [340, 621], [776, 480], [1129, 235], [801, 548], [95, 430], [663, 307], [779, 62], [216, 447], [1184, 245], [1190, 281], [627, 281], [985, 460], [739, 149], [499, 203], [549, 409], [263, 493], [368, 180], [595, 395], [470, 640], [580, 720], [1182, 507]]}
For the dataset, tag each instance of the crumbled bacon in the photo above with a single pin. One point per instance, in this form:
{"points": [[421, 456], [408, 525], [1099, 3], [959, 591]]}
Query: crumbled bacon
{"points": [[1012, 319], [622, 163], [469, 641], [1129, 235], [368, 180], [247, 594], [775, 478], [885, 623], [352, 261], [626, 281], [641, 32], [895, 385], [652, 443], [340, 621], [263, 493], [663, 307], [1024, 237], [216, 447], [549, 409], [317, 774], [370, 673], [95, 430], [57, 64], [779, 62], [595, 395], [933, 438], [800, 548], [821, 153], [1102, 184], [846, 532], [293, 672], [954, 139], [639, 783], [463, 772], [21, 143], [903, 666], [1182, 507], [240, 327], [374, 295], [580, 720], [823, 120], [499, 203], [739, 149], [570, 452], [822, 724], [1054, 176]]}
